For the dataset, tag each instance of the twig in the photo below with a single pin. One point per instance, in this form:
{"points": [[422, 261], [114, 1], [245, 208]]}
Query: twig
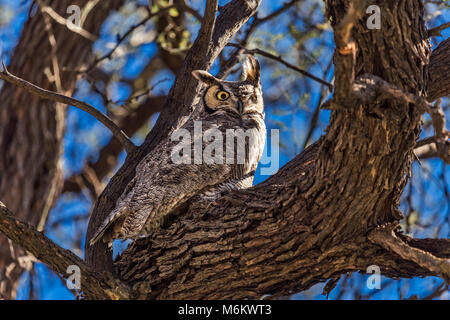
{"points": [[276, 12], [49, 95], [205, 34], [368, 87], [431, 150], [282, 61], [96, 171], [121, 38], [315, 116], [183, 6], [425, 141], [437, 30], [226, 66], [437, 292], [137, 96], [441, 135], [61, 20]]}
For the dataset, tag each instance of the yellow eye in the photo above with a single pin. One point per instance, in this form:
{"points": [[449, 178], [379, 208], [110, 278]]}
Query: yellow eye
{"points": [[222, 95]]}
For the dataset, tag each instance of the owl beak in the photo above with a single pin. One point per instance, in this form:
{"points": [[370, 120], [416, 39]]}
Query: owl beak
{"points": [[240, 107]]}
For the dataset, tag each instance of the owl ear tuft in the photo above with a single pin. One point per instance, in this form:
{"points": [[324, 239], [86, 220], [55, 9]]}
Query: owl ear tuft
{"points": [[251, 69], [204, 77]]}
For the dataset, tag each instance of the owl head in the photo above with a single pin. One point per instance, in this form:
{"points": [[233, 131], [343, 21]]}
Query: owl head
{"points": [[239, 97]]}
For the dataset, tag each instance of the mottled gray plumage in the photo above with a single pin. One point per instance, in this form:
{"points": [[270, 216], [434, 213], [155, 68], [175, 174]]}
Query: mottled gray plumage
{"points": [[162, 188]]}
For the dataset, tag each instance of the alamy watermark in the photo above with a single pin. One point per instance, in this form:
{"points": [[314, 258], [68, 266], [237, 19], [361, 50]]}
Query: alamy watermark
{"points": [[374, 20], [74, 20], [73, 281], [234, 146], [374, 281]]}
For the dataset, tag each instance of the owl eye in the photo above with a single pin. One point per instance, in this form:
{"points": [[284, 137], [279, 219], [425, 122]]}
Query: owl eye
{"points": [[222, 95]]}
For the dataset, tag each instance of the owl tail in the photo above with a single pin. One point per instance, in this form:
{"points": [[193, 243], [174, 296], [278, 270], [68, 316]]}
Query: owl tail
{"points": [[110, 228]]}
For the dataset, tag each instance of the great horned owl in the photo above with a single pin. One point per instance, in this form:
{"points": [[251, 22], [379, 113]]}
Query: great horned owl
{"points": [[162, 187]]}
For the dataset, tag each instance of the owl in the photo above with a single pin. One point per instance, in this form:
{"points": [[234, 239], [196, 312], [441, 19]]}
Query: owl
{"points": [[215, 151]]}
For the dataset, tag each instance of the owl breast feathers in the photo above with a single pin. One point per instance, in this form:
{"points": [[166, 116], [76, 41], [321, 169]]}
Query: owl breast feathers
{"points": [[210, 154]]}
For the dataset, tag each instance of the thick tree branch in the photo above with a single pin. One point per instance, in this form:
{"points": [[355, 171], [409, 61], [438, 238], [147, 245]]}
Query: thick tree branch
{"points": [[437, 30], [439, 72], [53, 96], [369, 89], [431, 150], [59, 259], [345, 54], [386, 238]]}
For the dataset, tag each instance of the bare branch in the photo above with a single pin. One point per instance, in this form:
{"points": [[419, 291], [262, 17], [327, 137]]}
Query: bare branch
{"points": [[431, 150], [345, 54], [121, 38], [57, 258], [386, 238], [94, 172], [369, 88], [46, 94], [205, 34], [437, 31], [227, 65], [183, 6], [61, 20], [439, 145], [276, 13]]}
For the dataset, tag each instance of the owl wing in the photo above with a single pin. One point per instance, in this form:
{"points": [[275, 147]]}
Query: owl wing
{"points": [[162, 184]]}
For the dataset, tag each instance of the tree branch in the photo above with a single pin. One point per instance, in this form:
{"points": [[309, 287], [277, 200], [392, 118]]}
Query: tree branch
{"points": [[439, 72], [235, 56], [437, 30], [59, 259], [386, 238], [276, 13], [61, 20], [49, 95], [121, 38], [282, 61], [345, 54], [94, 172]]}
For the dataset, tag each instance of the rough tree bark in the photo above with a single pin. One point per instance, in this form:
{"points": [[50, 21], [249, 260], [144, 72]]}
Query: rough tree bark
{"points": [[31, 129], [332, 210]]}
